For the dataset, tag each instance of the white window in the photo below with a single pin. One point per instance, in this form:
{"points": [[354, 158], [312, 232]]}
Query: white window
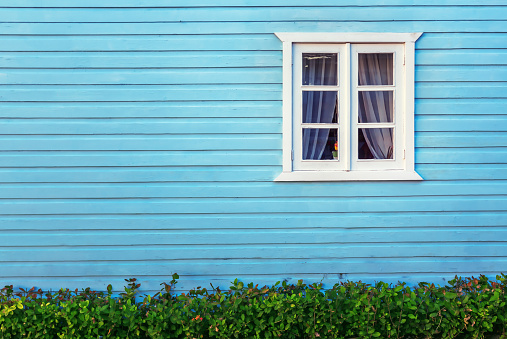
{"points": [[348, 106]]}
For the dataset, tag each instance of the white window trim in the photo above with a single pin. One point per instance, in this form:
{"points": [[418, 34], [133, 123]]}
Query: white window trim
{"points": [[407, 173]]}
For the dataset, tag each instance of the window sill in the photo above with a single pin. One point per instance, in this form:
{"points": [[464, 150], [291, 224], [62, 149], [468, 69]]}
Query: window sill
{"points": [[392, 175]]}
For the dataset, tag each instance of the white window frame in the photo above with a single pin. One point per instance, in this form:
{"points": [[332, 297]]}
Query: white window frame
{"points": [[347, 45]]}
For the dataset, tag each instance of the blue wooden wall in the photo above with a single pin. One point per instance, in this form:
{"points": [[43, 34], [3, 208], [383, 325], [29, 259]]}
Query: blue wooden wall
{"points": [[139, 138]]}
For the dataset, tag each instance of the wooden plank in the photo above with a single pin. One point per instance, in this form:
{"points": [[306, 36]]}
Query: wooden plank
{"points": [[279, 251], [470, 123], [250, 205], [208, 75], [170, 173], [139, 93], [232, 267], [460, 57], [216, 158], [248, 27], [462, 106], [152, 43], [193, 142], [145, 110], [461, 40], [454, 172], [347, 220], [247, 190], [456, 90], [229, 173], [460, 139], [239, 125], [478, 74], [243, 3], [216, 76], [268, 237], [153, 61], [260, 108], [141, 60], [156, 126], [462, 155], [215, 142], [222, 42], [252, 14], [140, 158]]}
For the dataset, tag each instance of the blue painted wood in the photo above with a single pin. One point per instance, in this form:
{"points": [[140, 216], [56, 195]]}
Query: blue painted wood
{"points": [[470, 123], [140, 61], [240, 189], [230, 75], [309, 13], [219, 173], [216, 142], [461, 73], [146, 110], [215, 76], [144, 142], [233, 125], [72, 110], [291, 221], [237, 42], [251, 205], [157, 126], [462, 106], [246, 251], [215, 158], [142, 139], [331, 236], [138, 93], [268, 27], [227, 3], [460, 57], [237, 92], [232, 267]]}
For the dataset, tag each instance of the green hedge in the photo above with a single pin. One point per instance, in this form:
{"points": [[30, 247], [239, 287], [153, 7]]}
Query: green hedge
{"points": [[465, 308]]}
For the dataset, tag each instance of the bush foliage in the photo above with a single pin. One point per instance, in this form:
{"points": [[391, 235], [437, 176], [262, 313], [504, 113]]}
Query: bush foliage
{"points": [[465, 308]]}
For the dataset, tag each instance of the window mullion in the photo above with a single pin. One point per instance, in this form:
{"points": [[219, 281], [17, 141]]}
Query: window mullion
{"points": [[345, 96]]}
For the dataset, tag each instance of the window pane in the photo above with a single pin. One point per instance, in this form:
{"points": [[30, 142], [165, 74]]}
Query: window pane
{"points": [[320, 69], [375, 143], [320, 107], [320, 143], [375, 69], [376, 106]]}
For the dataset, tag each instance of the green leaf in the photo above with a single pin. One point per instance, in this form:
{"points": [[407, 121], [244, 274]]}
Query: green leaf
{"points": [[495, 297], [450, 295]]}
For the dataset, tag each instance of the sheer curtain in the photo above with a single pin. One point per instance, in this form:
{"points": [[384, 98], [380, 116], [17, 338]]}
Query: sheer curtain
{"points": [[376, 106], [318, 106]]}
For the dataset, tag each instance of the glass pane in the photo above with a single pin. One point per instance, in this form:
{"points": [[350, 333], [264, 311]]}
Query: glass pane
{"points": [[376, 106], [320, 144], [320, 107], [320, 69], [375, 143], [375, 69]]}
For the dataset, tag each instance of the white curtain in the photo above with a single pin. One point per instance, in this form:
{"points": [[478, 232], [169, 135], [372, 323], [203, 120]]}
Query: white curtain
{"points": [[376, 106], [318, 106]]}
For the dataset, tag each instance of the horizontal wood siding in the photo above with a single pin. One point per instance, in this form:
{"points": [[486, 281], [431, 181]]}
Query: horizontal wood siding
{"points": [[141, 138]]}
